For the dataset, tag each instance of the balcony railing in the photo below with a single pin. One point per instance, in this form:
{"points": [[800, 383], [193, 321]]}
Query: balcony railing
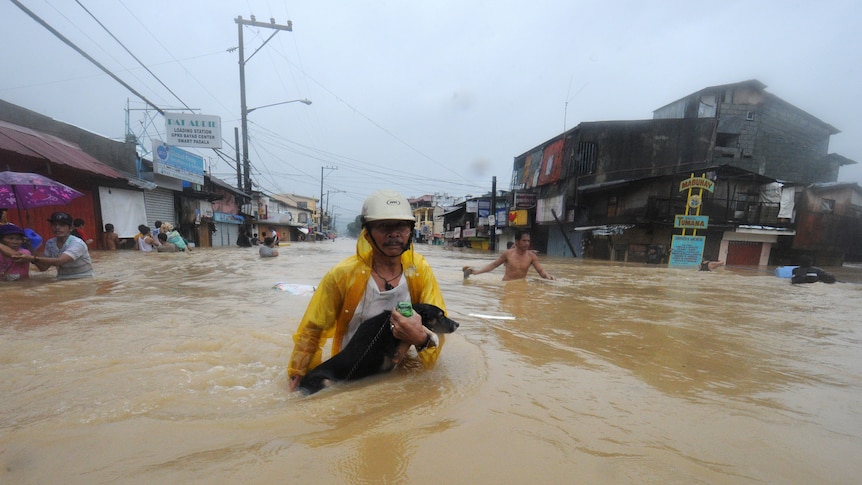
{"points": [[738, 212]]}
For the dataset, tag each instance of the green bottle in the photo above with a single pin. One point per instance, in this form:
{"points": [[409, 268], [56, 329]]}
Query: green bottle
{"points": [[405, 308]]}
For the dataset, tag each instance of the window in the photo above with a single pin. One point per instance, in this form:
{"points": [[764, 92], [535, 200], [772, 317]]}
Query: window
{"points": [[827, 205], [728, 140], [588, 154], [612, 205], [303, 217], [302, 204]]}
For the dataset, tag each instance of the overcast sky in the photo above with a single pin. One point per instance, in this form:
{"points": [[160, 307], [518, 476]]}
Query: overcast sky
{"points": [[423, 97]]}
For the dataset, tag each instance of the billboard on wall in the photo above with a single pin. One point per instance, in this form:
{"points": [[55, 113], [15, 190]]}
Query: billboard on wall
{"points": [[176, 163], [552, 163], [501, 218], [191, 130]]}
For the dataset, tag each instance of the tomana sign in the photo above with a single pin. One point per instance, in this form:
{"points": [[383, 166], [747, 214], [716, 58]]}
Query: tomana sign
{"points": [[190, 130], [687, 251]]}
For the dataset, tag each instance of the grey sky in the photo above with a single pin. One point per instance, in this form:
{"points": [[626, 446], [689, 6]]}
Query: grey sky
{"points": [[425, 96]]}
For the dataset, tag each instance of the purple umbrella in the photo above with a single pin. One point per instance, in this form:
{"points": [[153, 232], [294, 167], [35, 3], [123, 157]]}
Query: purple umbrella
{"points": [[29, 190]]}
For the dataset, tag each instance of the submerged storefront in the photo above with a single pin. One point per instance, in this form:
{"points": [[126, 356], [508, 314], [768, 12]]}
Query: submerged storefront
{"points": [[227, 227]]}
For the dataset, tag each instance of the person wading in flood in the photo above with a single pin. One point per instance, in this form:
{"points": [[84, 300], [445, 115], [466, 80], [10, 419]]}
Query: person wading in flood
{"points": [[384, 271], [65, 251], [517, 259]]}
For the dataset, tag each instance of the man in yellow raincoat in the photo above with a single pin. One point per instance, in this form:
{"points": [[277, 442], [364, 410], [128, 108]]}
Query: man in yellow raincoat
{"points": [[384, 271]]}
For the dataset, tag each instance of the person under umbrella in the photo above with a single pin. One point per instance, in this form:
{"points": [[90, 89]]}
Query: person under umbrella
{"points": [[65, 251], [24, 190], [13, 268]]}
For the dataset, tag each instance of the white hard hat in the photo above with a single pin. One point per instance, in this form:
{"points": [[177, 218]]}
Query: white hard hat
{"points": [[387, 204]]}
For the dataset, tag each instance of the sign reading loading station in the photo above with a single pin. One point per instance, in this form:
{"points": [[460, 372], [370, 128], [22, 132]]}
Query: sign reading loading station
{"points": [[190, 130]]}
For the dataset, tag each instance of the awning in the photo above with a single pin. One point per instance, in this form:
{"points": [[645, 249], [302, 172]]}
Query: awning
{"points": [[42, 146], [141, 184], [303, 230], [606, 230]]}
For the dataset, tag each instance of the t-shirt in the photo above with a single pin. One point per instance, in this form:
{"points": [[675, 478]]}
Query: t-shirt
{"points": [[81, 265], [266, 252], [79, 231], [167, 248], [12, 271], [177, 240]]}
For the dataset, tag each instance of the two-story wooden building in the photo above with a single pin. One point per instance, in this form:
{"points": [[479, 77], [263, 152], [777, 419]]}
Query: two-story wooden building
{"points": [[614, 185]]}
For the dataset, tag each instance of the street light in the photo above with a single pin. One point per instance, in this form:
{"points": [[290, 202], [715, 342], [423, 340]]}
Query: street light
{"points": [[303, 101], [244, 113], [240, 22]]}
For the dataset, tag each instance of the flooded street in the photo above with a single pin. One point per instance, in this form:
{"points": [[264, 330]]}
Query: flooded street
{"points": [[170, 368]]}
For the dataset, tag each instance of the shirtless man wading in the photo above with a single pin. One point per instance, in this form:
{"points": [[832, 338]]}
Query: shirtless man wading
{"points": [[518, 260]]}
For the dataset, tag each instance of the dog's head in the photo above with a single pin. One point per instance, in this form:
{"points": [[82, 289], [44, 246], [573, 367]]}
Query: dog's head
{"points": [[434, 319]]}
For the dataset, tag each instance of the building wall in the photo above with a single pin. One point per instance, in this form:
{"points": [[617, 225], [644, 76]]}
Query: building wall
{"points": [[637, 149], [789, 144], [829, 223]]}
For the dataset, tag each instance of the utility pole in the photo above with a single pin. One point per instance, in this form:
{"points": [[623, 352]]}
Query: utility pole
{"points": [[238, 161], [320, 208], [328, 192], [243, 106], [492, 241]]}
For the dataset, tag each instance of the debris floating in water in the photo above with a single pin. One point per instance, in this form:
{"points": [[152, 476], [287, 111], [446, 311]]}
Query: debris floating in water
{"points": [[492, 317], [294, 289]]}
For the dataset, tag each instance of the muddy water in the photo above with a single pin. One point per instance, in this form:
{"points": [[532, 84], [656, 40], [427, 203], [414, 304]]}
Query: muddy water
{"points": [[171, 369]]}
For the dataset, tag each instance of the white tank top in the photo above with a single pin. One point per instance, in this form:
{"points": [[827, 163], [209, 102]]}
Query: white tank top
{"points": [[373, 302], [143, 246]]}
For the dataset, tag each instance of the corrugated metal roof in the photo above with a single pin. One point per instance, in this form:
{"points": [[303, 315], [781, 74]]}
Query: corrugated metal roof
{"points": [[35, 144]]}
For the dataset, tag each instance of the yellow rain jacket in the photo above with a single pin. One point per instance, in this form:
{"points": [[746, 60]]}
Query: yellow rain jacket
{"points": [[338, 295]]}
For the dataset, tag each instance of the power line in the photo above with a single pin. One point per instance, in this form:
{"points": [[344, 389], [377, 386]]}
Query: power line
{"points": [[131, 54], [87, 56], [177, 61]]}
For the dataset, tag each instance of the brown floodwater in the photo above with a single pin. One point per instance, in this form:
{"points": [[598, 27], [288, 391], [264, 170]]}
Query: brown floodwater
{"points": [[170, 368]]}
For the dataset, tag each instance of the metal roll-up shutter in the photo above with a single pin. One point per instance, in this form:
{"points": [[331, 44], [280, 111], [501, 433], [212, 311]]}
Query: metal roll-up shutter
{"points": [[160, 206], [225, 234]]}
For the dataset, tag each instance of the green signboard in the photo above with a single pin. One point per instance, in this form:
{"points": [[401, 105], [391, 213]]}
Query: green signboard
{"points": [[691, 222]]}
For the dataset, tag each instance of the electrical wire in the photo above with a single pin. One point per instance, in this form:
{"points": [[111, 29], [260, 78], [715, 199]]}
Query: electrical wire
{"points": [[131, 54]]}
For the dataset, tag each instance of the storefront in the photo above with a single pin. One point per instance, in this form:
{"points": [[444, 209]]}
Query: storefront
{"points": [[227, 227]]}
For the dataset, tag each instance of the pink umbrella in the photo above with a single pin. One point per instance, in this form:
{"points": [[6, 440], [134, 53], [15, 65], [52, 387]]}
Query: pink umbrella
{"points": [[29, 190]]}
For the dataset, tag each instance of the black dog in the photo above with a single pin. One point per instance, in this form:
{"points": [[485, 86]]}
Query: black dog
{"points": [[372, 350]]}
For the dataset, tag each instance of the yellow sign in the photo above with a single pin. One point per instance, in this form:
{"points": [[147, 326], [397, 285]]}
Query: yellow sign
{"points": [[518, 218], [693, 202], [697, 183]]}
